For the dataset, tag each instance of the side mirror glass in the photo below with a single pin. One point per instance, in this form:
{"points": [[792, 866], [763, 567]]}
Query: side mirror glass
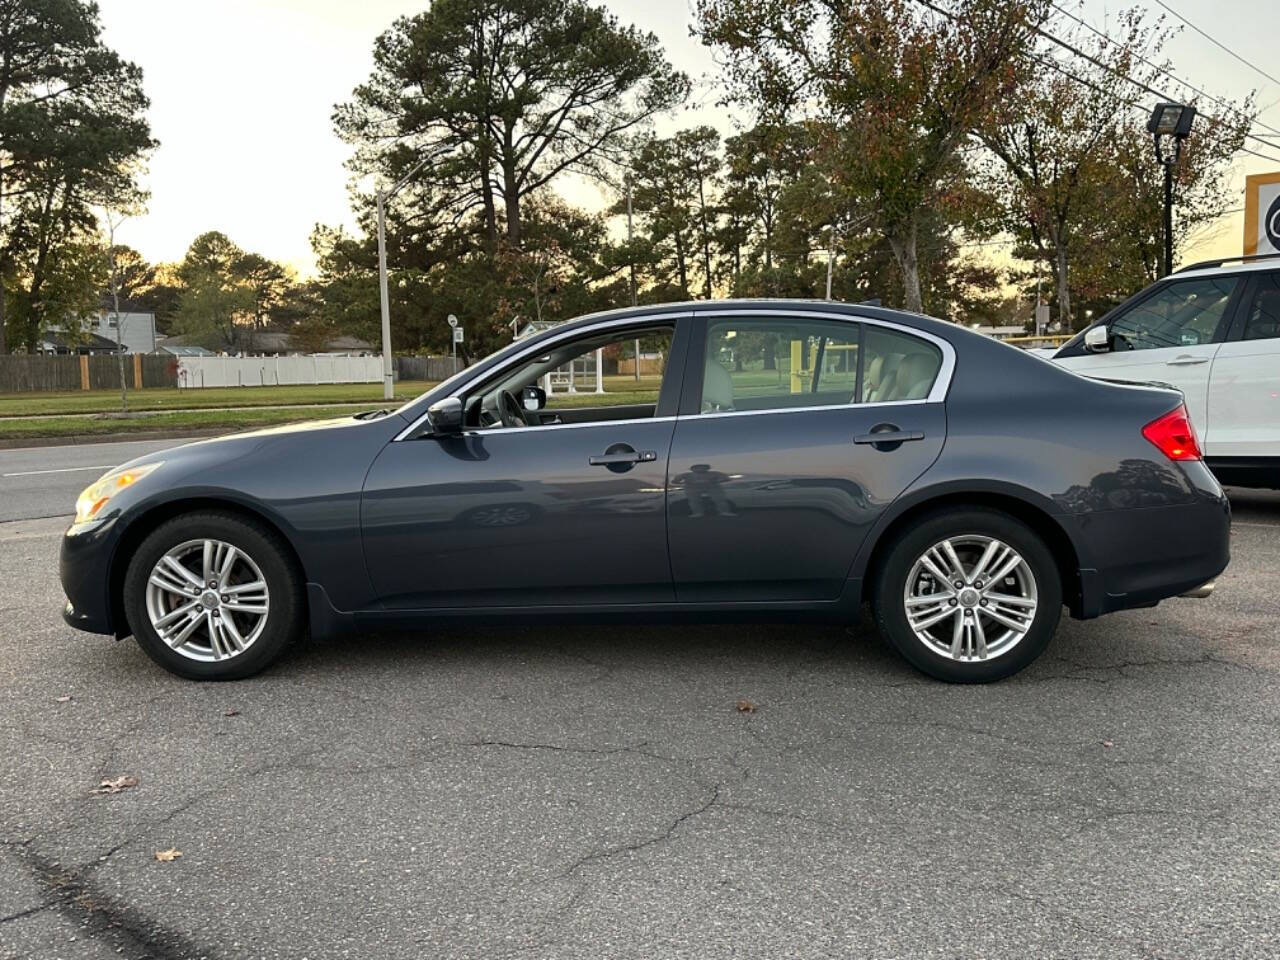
{"points": [[445, 415], [1097, 339], [535, 398]]}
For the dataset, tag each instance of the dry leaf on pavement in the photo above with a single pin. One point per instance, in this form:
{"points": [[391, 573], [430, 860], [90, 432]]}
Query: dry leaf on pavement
{"points": [[746, 706], [116, 785], [66, 698], [165, 856]]}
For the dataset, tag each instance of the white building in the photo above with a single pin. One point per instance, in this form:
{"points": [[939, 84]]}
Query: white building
{"points": [[137, 328]]}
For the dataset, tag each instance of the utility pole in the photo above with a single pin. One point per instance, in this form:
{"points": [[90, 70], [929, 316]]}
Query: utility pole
{"points": [[381, 197], [631, 256], [115, 305]]}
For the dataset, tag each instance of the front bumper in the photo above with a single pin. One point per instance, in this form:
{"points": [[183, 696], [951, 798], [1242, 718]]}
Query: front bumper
{"points": [[84, 566]]}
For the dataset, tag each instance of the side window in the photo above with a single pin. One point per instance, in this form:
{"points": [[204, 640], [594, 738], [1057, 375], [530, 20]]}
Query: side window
{"points": [[1184, 314], [1263, 320], [778, 364], [898, 366]]}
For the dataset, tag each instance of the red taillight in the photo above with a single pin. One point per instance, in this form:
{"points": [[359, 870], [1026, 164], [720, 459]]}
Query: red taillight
{"points": [[1174, 435]]}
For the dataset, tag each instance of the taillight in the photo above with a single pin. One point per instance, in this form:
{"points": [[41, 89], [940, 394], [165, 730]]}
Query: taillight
{"points": [[1174, 435]]}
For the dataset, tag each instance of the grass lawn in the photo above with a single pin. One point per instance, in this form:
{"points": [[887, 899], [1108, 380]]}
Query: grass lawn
{"points": [[230, 421], [171, 398]]}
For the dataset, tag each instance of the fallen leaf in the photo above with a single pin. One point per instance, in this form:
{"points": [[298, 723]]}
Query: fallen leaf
{"points": [[165, 856], [115, 786], [231, 713], [63, 699], [746, 706], [1107, 743]]}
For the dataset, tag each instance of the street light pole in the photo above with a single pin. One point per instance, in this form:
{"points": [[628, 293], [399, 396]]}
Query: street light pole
{"points": [[388, 376], [1169, 125], [382, 196]]}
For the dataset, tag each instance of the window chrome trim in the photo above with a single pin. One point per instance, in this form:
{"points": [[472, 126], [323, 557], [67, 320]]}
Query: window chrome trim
{"points": [[937, 393]]}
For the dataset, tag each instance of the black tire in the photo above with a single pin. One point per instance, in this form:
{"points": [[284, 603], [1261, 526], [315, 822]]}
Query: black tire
{"points": [[912, 542], [286, 611]]}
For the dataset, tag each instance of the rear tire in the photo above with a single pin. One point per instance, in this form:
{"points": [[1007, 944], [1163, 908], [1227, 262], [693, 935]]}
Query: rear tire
{"points": [[967, 629], [224, 590]]}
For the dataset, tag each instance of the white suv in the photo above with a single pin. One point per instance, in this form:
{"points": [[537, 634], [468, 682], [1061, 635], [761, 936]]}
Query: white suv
{"points": [[1213, 331]]}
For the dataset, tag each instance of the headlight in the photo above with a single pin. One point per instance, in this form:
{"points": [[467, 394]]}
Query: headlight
{"points": [[96, 495]]}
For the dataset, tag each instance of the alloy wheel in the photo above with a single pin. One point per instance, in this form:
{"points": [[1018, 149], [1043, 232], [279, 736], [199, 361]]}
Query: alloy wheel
{"points": [[207, 600], [970, 598]]}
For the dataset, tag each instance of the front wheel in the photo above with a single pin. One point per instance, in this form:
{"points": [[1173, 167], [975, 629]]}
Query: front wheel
{"points": [[213, 596], [969, 595]]}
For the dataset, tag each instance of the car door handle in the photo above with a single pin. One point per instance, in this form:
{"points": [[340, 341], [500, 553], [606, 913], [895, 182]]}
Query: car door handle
{"points": [[889, 436], [1185, 361], [623, 456]]}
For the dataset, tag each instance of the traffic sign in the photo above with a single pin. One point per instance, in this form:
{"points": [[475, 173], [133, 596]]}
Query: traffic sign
{"points": [[453, 321], [457, 334]]}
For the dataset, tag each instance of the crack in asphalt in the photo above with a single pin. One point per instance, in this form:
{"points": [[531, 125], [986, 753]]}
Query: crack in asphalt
{"points": [[608, 853]]}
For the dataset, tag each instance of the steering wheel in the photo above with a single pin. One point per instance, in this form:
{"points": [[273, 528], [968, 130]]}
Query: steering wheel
{"points": [[509, 411]]}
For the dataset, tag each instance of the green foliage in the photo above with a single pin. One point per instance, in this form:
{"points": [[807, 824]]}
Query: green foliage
{"points": [[72, 134], [227, 296]]}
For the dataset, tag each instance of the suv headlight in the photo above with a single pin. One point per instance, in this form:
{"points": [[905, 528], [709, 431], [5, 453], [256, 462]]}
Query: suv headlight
{"points": [[99, 493]]}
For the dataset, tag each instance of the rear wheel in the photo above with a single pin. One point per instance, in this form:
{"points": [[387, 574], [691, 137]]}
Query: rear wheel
{"points": [[969, 595], [213, 596]]}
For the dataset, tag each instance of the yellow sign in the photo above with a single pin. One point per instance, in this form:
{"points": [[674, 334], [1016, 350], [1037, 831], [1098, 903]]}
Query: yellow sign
{"points": [[1261, 214]]}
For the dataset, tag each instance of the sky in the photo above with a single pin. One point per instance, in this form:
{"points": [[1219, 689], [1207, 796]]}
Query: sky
{"points": [[242, 92]]}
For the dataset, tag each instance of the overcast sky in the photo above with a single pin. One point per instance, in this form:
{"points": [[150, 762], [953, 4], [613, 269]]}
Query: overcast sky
{"points": [[242, 91]]}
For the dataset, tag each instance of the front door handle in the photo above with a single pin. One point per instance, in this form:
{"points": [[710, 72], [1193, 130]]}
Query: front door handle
{"points": [[623, 456], [888, 436], [1186, 360]]}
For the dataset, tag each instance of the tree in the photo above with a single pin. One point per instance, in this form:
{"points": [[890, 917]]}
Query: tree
{"points": [[72, 132], [508, 94], [898, 86], [227, 295], [1057, 147]]}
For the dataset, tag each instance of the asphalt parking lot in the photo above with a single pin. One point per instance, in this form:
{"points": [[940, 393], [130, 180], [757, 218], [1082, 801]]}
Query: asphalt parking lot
{"points": [[597, 792]]}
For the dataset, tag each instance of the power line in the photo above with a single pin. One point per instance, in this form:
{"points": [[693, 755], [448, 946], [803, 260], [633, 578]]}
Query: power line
{"points": [[1071, 48], [1166, 71], [1247, 63]]}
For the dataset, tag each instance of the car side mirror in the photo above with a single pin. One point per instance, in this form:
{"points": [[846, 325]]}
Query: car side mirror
{"points": [[535, 398], [1097, 339], [445, 416]]}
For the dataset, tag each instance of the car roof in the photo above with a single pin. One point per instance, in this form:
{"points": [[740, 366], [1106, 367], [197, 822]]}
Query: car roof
{"points": [[1230, 265]]}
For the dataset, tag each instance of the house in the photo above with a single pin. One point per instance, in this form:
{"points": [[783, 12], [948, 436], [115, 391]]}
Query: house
{"points": [[136, 327], [168, 345], [56, 342], [280, 343]]}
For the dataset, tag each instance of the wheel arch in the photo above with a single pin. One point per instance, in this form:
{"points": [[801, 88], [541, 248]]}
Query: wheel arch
{"points": [[156, 514], [1022, 505]]}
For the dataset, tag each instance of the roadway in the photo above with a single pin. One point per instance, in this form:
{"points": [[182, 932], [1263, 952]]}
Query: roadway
{"points": [[594, 792]]}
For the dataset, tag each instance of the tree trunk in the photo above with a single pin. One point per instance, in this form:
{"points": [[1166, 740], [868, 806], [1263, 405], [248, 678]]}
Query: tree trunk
{"points": [[706, 235], [682, 266], [486, 192], [1064, 290], [903, 245], [510, 185]]}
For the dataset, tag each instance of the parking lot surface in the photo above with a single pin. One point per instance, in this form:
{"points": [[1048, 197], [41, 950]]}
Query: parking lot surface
{"points": [[601, 792]]}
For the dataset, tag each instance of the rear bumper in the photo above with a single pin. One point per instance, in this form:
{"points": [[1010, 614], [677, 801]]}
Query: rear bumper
{"points": [[1139, 557]]}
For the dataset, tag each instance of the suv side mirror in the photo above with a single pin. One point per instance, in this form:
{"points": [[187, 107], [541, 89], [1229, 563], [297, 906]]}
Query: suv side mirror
{"points": [[445, 416], [1097, 339]]}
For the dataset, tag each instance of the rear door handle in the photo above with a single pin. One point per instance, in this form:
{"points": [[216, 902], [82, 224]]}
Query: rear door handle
{"points": [[624, 456], [1185, 361], [889, 436]]}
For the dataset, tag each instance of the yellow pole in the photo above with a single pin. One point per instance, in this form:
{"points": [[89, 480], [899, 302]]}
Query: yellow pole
{"points": [[796, 353]]}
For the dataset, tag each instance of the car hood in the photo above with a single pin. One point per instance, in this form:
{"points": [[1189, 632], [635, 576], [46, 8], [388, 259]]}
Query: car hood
{"points": [[233, 446]]}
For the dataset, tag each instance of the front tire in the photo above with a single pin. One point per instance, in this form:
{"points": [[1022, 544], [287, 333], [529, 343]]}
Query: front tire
{"points": [[213, 596], [968, 595]]}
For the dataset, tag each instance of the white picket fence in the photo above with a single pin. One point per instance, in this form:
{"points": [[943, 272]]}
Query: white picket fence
{"points": [[276, 371]]}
